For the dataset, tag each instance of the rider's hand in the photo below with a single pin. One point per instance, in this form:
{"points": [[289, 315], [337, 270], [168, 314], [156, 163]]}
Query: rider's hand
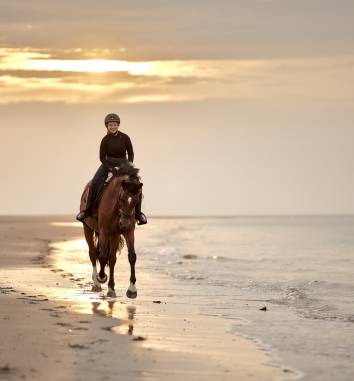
{"points": [[114, 171]]}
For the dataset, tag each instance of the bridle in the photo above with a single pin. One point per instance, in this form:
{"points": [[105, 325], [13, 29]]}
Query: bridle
{"points": [[122, 213]]}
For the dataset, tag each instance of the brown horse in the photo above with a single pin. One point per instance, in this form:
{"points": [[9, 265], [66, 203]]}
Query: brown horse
{"points": [[113, 218]]}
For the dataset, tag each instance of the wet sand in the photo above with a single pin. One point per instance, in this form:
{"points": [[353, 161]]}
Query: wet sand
{"points": [[54, 328]]}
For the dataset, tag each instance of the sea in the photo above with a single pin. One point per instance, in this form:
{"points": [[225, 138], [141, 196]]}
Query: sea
{"points": [[286, 282]]}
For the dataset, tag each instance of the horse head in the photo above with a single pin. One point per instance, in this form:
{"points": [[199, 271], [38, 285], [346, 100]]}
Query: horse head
{"points": [[129, 196]]}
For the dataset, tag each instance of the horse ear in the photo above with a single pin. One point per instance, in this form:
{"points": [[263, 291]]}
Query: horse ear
{"points": [[140, 185]]}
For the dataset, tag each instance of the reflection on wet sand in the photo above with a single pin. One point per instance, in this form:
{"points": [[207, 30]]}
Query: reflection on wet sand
{"points": [[106, 312], [111, 309], [69, 280], [71, 258], [131, 315]]}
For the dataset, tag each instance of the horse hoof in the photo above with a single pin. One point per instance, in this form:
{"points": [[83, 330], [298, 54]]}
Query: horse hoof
{"points": [[102, 280], [96, 288], [131, 294], [111, 294]]}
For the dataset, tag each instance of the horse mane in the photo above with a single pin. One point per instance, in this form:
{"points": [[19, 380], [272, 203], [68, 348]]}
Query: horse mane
{"points": [[126, 168]]}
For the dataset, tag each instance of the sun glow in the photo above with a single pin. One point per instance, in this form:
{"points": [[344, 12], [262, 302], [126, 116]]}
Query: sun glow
{"points": [[26, 60], [69, 76], [12, 59], [92, 66]]}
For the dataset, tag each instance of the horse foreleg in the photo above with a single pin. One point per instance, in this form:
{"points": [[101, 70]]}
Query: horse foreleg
{"points": [[103, 255], [112, 261], [129, 238], [96, 287], [93, 253]]}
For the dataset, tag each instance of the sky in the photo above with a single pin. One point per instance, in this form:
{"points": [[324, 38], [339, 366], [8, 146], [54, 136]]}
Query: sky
{"points": [[233, 107]]}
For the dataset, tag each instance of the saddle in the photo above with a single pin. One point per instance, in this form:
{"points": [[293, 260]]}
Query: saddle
{"points": [[98, 195]]}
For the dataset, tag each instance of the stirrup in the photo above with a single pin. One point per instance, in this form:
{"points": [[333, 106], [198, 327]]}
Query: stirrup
{"points": [[141, 218]]}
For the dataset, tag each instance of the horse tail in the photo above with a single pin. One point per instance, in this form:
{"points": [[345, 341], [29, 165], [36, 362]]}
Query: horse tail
{"points": [[120, 241]]}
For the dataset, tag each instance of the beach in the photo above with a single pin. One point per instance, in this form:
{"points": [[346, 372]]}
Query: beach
{"points": [[229, 125], [54, 328]]}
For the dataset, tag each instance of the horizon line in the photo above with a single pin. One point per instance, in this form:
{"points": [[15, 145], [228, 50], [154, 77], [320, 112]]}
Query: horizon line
{"points": [[159, 216]]}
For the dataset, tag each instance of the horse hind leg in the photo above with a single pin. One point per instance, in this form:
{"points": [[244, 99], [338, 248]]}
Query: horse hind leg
{"points": [[112, 262], [103, 259], [93, 253], [96, 287], [114, 246]]}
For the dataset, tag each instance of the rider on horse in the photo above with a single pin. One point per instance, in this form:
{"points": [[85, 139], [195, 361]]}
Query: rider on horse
{"points": [[114, 146]]}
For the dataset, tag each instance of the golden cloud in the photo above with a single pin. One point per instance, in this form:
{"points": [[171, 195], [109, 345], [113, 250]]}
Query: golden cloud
{"points": [[39, 74]]}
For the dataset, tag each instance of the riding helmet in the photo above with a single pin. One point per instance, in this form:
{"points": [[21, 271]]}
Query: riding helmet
{"points": [[111, 118]]}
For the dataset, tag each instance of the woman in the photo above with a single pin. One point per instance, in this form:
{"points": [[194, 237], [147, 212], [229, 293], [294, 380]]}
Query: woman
{"points": [[115, 145]]}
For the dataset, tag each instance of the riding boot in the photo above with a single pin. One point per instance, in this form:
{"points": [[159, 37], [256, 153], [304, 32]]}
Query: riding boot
{"points": [[139, 215], [89, 203], [96, 186]]}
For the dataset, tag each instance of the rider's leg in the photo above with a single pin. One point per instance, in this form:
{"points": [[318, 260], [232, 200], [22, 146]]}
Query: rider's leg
{"points": [[139, 215], [96, 183]]}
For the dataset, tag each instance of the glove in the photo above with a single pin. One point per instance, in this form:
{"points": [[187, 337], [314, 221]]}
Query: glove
{"points": [[114, 171]]}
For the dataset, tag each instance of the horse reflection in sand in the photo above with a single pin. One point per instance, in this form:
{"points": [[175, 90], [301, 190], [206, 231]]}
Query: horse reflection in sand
{"points": [[111, 220], [100, 309]]}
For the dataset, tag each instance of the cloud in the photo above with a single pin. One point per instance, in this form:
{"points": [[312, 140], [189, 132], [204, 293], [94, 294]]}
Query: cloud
{"points": [[39, 75], [183, 30]]}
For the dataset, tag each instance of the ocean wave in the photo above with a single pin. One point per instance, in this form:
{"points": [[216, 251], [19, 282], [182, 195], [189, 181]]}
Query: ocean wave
{"points": [[310, 307]]}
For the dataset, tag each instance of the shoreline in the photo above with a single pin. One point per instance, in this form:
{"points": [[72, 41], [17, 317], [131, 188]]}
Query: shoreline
{"points": [[170, 343]]}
